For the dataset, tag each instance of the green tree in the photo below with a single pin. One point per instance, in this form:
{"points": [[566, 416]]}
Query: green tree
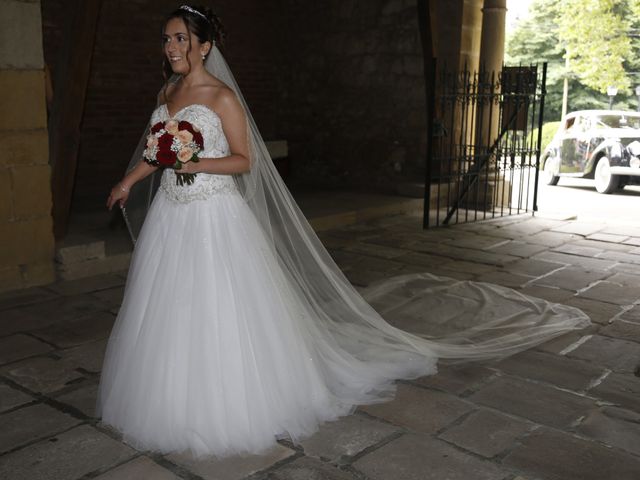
{"points": [[555, 29], [597, 43]]}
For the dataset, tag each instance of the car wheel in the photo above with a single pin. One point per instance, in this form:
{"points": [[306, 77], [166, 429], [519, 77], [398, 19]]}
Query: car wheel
{"points": [[550, 171], [605, 181]]}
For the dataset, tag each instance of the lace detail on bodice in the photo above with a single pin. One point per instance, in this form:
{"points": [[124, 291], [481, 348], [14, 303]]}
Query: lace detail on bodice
{"points": [[205, 185]]}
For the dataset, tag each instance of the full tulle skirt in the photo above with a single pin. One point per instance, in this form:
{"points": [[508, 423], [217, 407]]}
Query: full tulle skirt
{"points": [[215, 352]]}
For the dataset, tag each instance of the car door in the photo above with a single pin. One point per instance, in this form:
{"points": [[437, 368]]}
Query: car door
{"points": [[568, 145], [583, 144]]}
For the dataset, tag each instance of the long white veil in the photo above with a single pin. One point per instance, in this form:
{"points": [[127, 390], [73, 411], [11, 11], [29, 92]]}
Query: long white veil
{"points": [[450, 319]]}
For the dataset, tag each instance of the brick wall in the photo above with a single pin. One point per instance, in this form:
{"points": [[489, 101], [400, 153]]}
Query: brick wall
{"points": [[340, 80], [126, 75], [354, 113], [26, 253]]}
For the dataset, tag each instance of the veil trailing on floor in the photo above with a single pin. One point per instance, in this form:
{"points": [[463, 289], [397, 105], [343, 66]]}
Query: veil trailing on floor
{"points": [[449, 319]]}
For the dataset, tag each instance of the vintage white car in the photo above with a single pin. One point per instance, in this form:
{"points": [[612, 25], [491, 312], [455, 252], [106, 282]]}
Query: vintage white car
{"points": [[599, 144]]}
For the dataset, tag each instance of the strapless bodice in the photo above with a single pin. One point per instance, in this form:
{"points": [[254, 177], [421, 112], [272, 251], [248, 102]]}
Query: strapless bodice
{"points": [[215, 146]]}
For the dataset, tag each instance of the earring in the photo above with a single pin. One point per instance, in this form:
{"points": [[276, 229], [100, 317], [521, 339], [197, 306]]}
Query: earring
{"points": [[203, 57]]}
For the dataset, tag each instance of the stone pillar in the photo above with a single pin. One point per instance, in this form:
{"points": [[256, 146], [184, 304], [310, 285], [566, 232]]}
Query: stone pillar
{"points": [[490, 190], [27, 245], [493, 31], [491, 58]]}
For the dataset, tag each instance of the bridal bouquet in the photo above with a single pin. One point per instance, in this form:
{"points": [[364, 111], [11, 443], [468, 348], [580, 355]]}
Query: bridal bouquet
{"points": [[172, 143]]}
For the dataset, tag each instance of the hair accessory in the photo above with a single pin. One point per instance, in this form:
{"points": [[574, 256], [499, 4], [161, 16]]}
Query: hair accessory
{"points": [[193, 10]]}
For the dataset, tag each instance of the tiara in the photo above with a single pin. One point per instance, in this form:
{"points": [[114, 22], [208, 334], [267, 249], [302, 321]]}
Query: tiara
{"points": [[193, 10]]}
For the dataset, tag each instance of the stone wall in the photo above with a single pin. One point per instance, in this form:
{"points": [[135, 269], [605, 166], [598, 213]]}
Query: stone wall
{"points": [[26, 253], [341, 80], [354, 106]]}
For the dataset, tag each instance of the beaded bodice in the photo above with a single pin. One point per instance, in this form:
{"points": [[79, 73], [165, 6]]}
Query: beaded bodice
{"points": [[215, 146]]}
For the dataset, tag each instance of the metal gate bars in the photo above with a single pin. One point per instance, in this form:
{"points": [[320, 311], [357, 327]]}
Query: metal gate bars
{"points": [[485, 135]]}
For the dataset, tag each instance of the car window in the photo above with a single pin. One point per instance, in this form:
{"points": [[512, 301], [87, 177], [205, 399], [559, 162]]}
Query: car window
{"points": [[569, 123], [616, 121]]}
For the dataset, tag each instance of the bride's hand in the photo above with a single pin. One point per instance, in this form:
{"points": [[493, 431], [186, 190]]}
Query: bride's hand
{"points": [[188, 167], [119, 194]]}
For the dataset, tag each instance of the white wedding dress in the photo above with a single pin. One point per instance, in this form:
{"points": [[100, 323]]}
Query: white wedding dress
{"points": [[218, 349], [212, 350]]}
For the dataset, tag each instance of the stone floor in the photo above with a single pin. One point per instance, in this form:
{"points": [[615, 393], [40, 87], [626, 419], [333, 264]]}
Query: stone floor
{"points": [[569, 409]]}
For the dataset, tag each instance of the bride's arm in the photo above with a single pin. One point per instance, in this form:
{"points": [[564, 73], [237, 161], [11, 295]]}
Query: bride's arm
{"points": [[234, 125], [120, 192]]}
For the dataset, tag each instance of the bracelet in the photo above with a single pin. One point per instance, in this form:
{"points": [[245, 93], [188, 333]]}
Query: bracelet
{"points": [[122, 189]]}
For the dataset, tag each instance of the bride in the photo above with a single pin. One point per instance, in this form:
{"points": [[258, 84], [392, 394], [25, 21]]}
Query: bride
{"points": [[236, 327]]}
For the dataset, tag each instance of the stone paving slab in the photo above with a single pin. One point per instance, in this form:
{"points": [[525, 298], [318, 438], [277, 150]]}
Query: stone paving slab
{"points": [[519, 248], [76, 332], [559, 345], [87, 285], [32, 423], [305, 468], [487, 433], [346, 437], [553, 455], [11, 398], [612, 291], [534, 268], [141, 468], [231, 468], [69, 455], [550, 239], [572, 278], [532, 401], [584, 262], [82, 399], [557, 370], [507, 279], [552, 294], [40, 315], [598, 311], [619, 355], [41, 374], [579, 228], [420, 409], [458, 379], [614, 427], [19, 298], [607, 237], [88, 356], [420, 457], [604, 246], [620, 389], [622, 329], [111, 297], [19, 346], [578, 250]]}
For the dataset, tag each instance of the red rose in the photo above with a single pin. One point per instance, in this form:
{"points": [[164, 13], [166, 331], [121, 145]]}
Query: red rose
{"points": [[157, 127], [165, 141], [166, 157], [184, 125]]}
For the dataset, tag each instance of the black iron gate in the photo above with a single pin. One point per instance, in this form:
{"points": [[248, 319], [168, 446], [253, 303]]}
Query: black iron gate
{"points": [[485, 150]]}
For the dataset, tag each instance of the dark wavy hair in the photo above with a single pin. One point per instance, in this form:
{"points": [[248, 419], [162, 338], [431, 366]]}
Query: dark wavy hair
{"points": [[206, 27]]}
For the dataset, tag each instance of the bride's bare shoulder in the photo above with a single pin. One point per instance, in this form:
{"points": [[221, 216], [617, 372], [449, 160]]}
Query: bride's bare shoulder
{"points": [[220, 97]]}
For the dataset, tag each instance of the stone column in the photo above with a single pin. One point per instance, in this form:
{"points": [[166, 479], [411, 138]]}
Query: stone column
{"points": [[26, 255], [493, 31], [487, 115], [491, 58]]}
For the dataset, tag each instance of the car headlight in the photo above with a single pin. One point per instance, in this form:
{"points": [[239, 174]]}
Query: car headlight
{"points": [[634, 148]]}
